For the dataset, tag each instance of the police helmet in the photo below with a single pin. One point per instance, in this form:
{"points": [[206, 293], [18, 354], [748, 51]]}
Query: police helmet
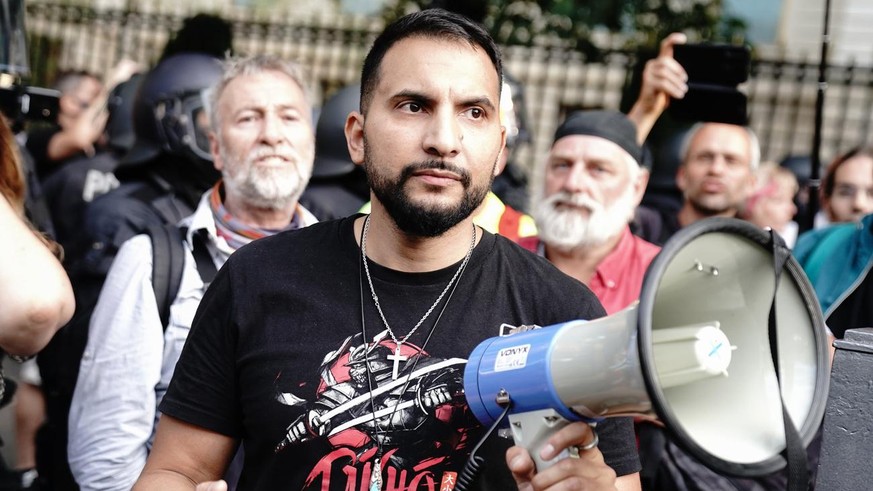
{"points": [[169, 110], [119, 125], [332, 157]]}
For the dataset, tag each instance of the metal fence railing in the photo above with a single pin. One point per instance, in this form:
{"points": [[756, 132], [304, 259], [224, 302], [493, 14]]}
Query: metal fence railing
{"points": [[781, 93]]}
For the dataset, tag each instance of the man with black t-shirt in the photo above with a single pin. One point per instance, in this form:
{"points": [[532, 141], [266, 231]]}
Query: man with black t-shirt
{"points": [[335, 353]]}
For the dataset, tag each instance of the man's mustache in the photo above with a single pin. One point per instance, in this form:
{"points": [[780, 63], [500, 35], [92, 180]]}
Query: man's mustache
{"points": [[263, 152], [411, 169], [573, 199]]}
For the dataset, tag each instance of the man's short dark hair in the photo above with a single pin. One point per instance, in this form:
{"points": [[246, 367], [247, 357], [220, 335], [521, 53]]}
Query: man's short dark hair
{"points": [[69, 80], [429, 23]]}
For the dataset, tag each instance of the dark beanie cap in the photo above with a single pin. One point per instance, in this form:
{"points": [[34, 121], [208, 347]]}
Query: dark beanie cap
{"points": [[610, 125]]}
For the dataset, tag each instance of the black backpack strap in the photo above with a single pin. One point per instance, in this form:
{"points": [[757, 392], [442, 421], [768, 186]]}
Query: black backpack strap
{"points": [[205, 264], [795, 452], [168, 262]]}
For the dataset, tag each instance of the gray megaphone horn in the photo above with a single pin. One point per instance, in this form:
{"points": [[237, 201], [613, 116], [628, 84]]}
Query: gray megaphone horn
{"points": [[695, 352]]}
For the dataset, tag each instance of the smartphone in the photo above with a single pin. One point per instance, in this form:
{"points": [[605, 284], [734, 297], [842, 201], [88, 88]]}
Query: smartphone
{"points": [[717, 64], [714, 71], [711, 103], [40, 104], [29, 103]]}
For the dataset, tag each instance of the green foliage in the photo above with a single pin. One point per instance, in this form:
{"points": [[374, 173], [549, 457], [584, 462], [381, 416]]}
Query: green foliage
{"points": [[702, 20], [639, 24]]}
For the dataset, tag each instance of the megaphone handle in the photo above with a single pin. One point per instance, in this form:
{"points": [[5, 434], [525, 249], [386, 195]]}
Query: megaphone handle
{"points": [[533, 429]]}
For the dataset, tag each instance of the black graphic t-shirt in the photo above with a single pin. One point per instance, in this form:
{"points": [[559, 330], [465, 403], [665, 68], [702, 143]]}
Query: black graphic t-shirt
{"points": [[278, 357]]}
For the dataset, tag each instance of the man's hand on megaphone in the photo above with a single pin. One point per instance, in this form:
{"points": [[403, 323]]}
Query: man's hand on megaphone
{"points": [[587, 472]]}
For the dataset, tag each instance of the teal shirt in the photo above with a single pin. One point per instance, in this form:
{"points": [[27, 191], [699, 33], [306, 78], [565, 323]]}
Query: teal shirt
{"points": [[836, 259]]}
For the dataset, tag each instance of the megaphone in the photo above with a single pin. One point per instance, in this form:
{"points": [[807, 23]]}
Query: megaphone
{"points": [[693, 352]]}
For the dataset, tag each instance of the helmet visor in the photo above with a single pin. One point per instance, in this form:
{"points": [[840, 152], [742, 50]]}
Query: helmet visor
{"points": [[196, 122]]}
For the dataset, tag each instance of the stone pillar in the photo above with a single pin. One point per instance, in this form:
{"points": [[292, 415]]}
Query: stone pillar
{"points": [[847, 442]]}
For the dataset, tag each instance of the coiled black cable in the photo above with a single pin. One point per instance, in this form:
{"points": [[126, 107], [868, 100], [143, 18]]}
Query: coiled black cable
{"points": [[474, 463]]}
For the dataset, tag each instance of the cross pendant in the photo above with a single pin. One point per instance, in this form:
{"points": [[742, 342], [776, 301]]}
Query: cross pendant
{"points": [[396, 358], [376, 475]]}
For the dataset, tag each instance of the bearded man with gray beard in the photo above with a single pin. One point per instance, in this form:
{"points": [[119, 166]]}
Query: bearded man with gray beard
{"points": [[262, 141], [593, 184]]}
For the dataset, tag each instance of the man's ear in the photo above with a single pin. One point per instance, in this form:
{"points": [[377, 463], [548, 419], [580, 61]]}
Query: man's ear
{"points": [[640, 184], [215, 150], [354, 130], [501, 162], [680, 178], [503, 156]]}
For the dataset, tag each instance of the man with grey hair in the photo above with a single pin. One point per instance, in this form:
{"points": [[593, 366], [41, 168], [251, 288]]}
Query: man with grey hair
{"points": [[593, 184], [716, 175], [262, 142]]}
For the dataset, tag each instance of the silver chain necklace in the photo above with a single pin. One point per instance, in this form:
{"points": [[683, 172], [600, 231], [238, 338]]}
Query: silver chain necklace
{"points": [[397, 357]]}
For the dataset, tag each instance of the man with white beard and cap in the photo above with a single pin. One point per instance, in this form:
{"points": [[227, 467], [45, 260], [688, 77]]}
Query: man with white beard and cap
{"points": [[593, 182], [262, 141]]}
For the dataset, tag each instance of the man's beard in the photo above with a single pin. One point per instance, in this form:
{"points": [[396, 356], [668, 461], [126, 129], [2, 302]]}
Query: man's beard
{"points": [[567, 229], [416, 219], [266, 187]]}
